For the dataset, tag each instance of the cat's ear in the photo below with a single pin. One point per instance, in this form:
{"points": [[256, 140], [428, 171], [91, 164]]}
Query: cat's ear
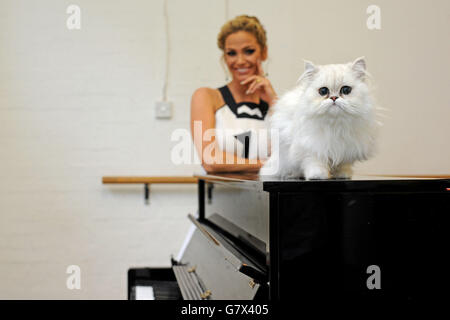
{"points": [[309, 66], [310, 70], [359, 68]]}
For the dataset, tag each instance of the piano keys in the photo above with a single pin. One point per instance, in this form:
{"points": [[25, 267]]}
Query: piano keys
{"points": [[367, 238]]}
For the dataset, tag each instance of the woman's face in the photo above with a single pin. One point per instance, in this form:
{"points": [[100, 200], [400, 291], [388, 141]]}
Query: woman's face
{"points": [[242, 54]]}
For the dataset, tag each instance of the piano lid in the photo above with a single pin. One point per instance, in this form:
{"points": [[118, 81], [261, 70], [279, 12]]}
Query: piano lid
{"points": [[379, 183]]}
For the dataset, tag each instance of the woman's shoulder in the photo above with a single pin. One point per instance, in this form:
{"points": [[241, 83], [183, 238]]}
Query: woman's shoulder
{"points": [[206, 95]]}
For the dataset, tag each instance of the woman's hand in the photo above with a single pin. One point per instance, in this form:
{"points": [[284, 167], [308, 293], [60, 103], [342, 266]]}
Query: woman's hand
{"points": [[261, 84]]}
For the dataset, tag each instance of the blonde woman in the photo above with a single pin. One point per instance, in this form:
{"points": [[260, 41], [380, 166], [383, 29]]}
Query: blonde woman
{"points": [[225, 122]]}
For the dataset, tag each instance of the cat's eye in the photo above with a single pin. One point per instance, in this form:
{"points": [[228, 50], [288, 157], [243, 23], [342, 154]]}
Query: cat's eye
{"points": [[323, 91], [346, 90]]}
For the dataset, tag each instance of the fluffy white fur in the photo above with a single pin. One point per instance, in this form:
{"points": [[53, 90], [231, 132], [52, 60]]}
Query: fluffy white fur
{"points": [[319, 139]]}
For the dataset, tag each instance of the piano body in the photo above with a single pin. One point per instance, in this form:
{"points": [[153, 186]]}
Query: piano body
{"points": [[368, 237]]}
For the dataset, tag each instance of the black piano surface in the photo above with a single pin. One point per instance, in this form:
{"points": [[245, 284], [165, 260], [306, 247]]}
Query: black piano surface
{"points": [[371, 238], [368, 237]]}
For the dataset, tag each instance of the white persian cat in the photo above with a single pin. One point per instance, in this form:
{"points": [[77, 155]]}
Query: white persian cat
{"points": [[325, 124]]}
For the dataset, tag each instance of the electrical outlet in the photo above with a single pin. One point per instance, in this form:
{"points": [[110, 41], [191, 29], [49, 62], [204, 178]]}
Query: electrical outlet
{"points": [[163, 110]]}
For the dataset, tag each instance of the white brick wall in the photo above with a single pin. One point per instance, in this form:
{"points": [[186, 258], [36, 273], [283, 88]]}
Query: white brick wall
{"points": [[79, 105]]}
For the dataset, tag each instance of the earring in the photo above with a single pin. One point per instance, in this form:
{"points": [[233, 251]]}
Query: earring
{"points": [[265, 68], [224, 67]]}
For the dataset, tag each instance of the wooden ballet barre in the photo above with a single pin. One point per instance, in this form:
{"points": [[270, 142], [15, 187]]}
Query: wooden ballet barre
{"points": [[147, 181], [150, 180]]}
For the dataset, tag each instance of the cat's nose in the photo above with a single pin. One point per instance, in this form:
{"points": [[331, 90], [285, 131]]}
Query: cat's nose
{"points": [[333, 98]]}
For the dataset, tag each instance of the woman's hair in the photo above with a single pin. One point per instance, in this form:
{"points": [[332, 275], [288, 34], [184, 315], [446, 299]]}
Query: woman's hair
{"points": [[242, 23]]}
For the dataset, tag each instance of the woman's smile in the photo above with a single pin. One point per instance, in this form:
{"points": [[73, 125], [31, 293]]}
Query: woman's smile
{"points": [[243, 70]]}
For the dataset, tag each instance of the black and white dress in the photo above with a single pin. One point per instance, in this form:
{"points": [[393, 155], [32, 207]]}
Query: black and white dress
{"points": [[241, 128]]}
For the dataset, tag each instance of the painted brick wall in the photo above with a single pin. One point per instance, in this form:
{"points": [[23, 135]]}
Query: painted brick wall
{"points": [[78, 105]]}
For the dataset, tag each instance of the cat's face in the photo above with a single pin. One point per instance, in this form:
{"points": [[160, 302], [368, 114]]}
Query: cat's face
{"points": [[336, 89]]}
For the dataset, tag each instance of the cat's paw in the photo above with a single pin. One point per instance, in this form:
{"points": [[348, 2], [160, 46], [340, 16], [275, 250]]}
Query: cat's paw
{"points": [[316, 173], [292, 176], [342, 176], [343, 172]]}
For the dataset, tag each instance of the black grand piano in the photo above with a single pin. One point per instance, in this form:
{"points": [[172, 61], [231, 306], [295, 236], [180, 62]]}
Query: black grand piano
{"points": [[366, 238]]}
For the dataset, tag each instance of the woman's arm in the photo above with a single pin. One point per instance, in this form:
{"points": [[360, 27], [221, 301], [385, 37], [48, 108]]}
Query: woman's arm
{"points": [[202, 109]]}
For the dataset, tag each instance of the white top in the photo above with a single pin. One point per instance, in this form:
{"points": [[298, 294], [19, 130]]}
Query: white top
{"points": [[242, 128]]}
